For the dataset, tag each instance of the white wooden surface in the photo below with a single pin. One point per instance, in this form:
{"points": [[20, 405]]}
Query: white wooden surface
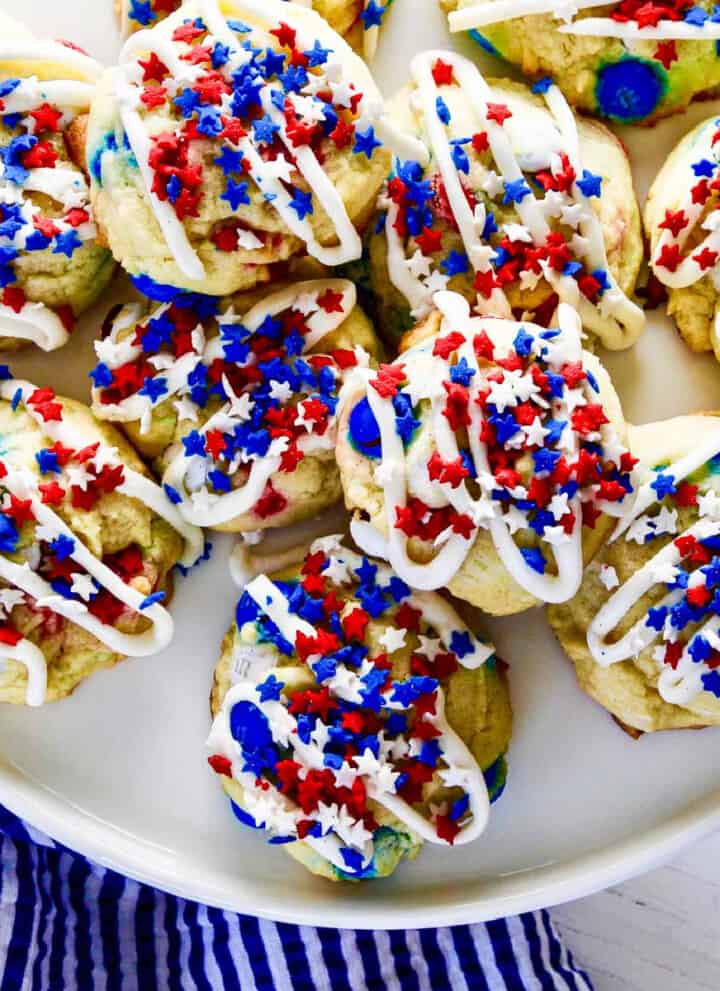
{"points": [[660, 932]]}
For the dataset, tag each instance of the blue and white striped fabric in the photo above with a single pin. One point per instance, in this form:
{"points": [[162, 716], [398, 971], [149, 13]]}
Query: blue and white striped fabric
{"points": [[68, 924]]}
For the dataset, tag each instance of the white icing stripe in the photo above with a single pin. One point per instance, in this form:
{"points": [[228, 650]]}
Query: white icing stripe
{"points": [[50, 51], [33, 660], [245, 564], [58, 92], [681, 685], [36, 323], [497, 11], [616, 319], [606, 27]]}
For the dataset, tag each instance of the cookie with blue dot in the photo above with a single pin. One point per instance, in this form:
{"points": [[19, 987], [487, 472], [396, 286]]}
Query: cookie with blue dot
{"points": [[375, 687], [632, 62]]}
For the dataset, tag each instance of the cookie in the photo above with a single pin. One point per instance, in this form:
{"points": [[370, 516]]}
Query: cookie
{"points": [[631, 61], [87, 546], [220, 148], [237, 399], [516, 204], [355, 719], [51, 264], [488, 459], [642, 631], [681, 218], [358, 21]]}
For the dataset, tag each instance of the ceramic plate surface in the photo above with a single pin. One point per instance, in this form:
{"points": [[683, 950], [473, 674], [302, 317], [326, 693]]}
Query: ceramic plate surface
{"points": [[118, 771]]}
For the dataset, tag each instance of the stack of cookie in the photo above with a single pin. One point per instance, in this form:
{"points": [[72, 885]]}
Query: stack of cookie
{"points": [[396, 304]]}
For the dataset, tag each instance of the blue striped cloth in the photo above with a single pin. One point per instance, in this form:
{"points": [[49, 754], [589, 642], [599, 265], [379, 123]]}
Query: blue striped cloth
{"points": [[66, 923]]}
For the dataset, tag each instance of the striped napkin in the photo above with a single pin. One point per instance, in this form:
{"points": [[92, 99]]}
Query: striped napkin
{"points": [[66, 923]]}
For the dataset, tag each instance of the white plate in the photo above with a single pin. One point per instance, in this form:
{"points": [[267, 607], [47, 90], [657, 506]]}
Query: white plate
{"points": [[118, 771]]}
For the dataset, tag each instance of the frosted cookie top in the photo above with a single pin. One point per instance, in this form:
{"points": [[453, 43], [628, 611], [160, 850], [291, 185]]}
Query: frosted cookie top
{"points": [[257, 133], [505, 174], [669, 605], [45, 492], [44, 197], [253, 399], [686, 232], [495, 426], [346, 16], [320, 728], [629, 20]]}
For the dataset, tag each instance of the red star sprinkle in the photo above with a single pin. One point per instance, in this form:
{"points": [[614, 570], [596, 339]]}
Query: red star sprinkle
{"points": [[498, 112], [46, 118], [14, 297], [331, 302], [153, 69], [669, 257], [285, 35], [444, 346], [666, 53], [442, 73], [706, 258], [674, 222], [429, 241]]}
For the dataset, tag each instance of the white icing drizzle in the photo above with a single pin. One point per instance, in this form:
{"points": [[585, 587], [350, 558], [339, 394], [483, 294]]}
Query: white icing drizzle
{"points": [[688, 270], [681, 685], [23, 483], [37, 50], [245, 564], [265, 174], [275, 811], [405, 473], [615, 319], [496, 11]]}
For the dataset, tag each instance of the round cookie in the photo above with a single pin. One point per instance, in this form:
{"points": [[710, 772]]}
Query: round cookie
{"points": [[487, 459], [642, 630], [517, 205], [231, 138], [355, 719], [358, 21], [51, 264], [631, 61], [87, 546], [682, 218], [237, 399]]}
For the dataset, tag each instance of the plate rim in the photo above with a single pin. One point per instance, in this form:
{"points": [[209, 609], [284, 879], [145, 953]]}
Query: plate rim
{"points": [[507, 895]]}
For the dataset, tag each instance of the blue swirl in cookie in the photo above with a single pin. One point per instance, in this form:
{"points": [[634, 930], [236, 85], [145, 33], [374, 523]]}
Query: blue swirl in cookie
{"points": [[630, 89]]}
